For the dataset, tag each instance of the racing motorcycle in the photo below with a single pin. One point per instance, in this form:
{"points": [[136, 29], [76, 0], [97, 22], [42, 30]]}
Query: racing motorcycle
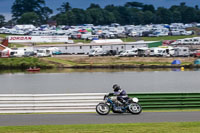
{"points": [[111, 103]]}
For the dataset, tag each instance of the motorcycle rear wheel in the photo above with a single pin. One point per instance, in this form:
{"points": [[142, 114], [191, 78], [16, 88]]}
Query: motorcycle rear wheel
{"points": [[135, 108], [102, 109]]}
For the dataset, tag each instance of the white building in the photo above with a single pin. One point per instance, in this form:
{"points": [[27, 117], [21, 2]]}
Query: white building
{"points": [[86, 48]]}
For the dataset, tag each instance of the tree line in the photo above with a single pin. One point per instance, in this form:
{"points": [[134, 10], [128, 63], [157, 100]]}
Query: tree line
{"points": [[37, 13]]}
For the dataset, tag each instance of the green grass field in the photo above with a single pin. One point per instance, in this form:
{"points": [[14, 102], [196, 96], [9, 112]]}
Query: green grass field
{"points": [[162, 38], [169, 127]]}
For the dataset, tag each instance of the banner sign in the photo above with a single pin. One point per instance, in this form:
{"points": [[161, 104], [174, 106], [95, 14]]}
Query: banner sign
{"points": [[35, 39]]}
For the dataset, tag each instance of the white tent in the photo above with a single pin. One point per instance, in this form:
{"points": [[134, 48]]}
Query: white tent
{"points": [[24, 27], [108, 41]]}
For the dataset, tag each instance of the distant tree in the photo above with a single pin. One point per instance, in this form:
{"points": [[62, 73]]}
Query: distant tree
{"points": [[65, 7], [189, 15], [96, 15], [20, 7], [130, 13], [149, 17], [124, 15], [2, 20], [10, 23], [67, 18], [80, 16], [45, 13], [61, 19], [163, 16], [139, 18], [134, 4], [88, 17], [196, 7], [198, 16], [92, 5], [176, 17], [109, 17], [110, 8], [182, 4], [148, 8], [29, 18]]}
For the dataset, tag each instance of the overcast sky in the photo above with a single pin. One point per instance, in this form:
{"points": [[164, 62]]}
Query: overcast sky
{"points": [[5, 5]]}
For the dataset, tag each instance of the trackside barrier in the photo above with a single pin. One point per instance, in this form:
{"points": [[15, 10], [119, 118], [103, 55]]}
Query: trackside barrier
{"points": [[86, 102], [39, 103], [158, 101]]}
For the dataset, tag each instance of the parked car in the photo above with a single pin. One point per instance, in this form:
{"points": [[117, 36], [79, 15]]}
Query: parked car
{"points": [[109, 53], [29, 53], [196, 53]]}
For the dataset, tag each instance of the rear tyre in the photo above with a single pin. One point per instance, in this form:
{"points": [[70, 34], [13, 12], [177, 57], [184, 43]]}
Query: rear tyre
{"points": [[102, 109], [134, 108]]}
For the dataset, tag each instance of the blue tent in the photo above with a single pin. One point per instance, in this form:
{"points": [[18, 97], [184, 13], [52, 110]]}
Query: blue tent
{"points": [[95, 38], [176, 62], [167, 26], [197, 62]]}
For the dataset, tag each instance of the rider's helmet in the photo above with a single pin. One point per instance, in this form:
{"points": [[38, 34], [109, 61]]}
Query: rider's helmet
{"points": [[116, 87]]}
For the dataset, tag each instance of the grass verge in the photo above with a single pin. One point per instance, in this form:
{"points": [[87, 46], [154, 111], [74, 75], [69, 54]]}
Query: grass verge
{"points": [[91, 62], [166, 127], [113, 61], [22, 63], [15, 45], [161, 38]]}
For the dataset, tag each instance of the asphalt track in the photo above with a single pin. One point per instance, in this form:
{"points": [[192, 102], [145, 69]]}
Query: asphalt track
{"points": [[93, 118]]}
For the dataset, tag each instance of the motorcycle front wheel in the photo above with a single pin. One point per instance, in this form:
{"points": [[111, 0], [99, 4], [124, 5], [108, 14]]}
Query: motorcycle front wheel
{"points": [[102, 109], [134, 108]]}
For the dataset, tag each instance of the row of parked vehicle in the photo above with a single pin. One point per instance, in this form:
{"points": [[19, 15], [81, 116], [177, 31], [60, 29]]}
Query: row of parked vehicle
{"points": [[43, 52], [162, 51], [90, 31]]}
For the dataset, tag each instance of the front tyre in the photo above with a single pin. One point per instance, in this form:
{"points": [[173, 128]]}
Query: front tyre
{"points": [[102, 109], [134, 108]]}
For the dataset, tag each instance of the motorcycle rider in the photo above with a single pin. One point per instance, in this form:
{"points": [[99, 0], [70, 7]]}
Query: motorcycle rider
{"points": [[120, 93]]}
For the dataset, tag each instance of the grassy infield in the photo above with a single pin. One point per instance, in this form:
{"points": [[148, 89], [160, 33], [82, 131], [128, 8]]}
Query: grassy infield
{"points": [[173, 127]]}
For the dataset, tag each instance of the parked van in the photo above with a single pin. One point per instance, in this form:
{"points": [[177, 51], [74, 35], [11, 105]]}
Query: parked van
{"points": [[96, 52], [44, 53], [55, 50], [132, 52], [181, 51], [156, 51], [143, 51], [169, 50], [17, 53]]}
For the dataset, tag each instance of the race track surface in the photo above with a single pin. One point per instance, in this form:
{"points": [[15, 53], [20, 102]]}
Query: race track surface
{"points": [[93, 118]]}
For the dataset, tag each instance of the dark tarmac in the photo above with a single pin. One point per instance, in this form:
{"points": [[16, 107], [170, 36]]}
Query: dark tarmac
{"points": [[93, 118]]}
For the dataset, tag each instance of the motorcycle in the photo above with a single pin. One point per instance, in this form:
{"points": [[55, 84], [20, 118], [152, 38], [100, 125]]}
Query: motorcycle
{"points": [[112, 104]]}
